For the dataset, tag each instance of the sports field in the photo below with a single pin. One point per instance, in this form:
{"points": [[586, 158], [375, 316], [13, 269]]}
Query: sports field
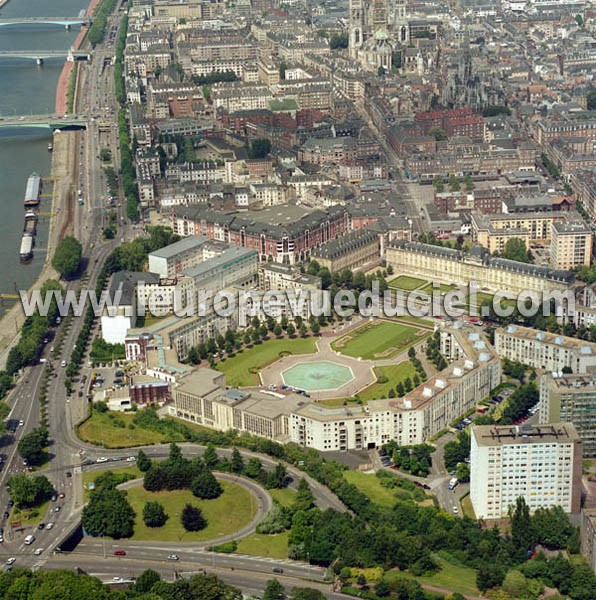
{"points": [[378, 340]]}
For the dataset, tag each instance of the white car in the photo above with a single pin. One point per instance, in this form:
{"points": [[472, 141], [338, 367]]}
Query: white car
{"points": [[131, 459], [173, 557], [49, 525], [11, 560], [455, 510], [102, 459], [38, 551]]}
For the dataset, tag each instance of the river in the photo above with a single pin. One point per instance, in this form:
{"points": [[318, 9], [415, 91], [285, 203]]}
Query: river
{"points": [[26, 88]]}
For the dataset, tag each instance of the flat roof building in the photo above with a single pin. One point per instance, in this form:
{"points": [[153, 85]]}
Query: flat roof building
{"points": [[542, 464], [544, 350]]}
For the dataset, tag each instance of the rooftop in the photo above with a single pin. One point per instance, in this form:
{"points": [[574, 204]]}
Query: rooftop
{"points": [[558, 433]]}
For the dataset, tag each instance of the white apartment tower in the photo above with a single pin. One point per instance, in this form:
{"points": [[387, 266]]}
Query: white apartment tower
{"points": [[543, 464]]}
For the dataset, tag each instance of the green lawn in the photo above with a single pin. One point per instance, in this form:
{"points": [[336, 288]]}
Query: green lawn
{"points": [[395, 374], [225, 515], [371, 487], [379, 339], [452, 577], [285, 496], [29, 517], [102, 429], [414, 320], [242, 370], [467, 508], [91, 476], [407, 283], [338, 402], [271, 546], [443, 288]]}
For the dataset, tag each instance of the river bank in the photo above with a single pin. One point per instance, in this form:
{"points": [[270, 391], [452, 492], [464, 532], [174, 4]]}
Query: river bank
{"points": [[63, 167], [64, 173]]}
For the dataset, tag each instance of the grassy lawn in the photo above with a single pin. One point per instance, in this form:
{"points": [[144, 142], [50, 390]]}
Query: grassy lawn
{"points": [[91, 476], [414, 320], [285, 496], [338, 402], [29, 517], [102, 429], [242, 370], [226, 514], [394, 373], [271, 546], [443, 288], [467, 508], [379, 339], [405, 282], [371, 486], [452, 577]]}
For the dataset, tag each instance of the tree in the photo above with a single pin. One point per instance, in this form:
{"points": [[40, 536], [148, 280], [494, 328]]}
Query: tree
{"points": [[438, 133], [237, 462], [108, 514], [338, 41], [259, 148], [469, 183], [154, 514], [67, 257], [32, 445], [438, 184], [146, 580], [29, 491], [274, 590], [304, 499], [515, 249], [210, 456], [192, 518], [454, 184], [522, 532], [277, 330], [303, 330], [253, 468], [551, 527], [580, 23], [143, 462], [205, 486], [315, 327], [291, 330]]}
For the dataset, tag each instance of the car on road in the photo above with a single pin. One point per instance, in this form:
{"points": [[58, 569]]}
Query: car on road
{"points": [[455, 510], [41, 526], [49, 525], [119, 553], [63, 363], [10, 503], [21, 423], [131, 459], [38, 551], [68, 474], [54, 497], [102, 459], [6, 514], [278, 570], [11, 561], [58, 509], [173, 557], [116, 458], [117, 578], [61, 495]]}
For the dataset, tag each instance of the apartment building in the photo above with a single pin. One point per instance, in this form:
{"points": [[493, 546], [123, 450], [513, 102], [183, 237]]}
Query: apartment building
{"points": [[353, 250], [420, 414], [175, 258], [542, 464], [571, 245], [201, 397], [544, 350], [570, 399], [447, 265]]}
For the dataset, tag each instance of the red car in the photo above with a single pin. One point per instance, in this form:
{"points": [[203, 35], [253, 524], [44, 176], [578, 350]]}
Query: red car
{"points": [[119, 553]]}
